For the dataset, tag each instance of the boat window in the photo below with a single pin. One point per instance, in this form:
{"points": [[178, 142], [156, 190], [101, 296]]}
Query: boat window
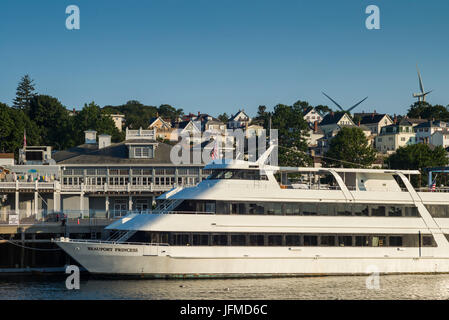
{"points": [[310, 240], [361, 210], [200, 239], [361, 241], [293, 240], [299, 208], [238, 239], [438, 211], [220, 239], [285, 239], [345, 241], [237, 174], [395, 211], [256, 240], [327, 240], [395, 241], [275, 240], [379, 241], [378, 210]]}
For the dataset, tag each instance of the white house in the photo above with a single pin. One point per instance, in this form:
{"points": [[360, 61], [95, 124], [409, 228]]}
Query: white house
{"points": [[311, 115], [239, 120], [394, 136], [375, 122], [333, 120], [424, 131]]}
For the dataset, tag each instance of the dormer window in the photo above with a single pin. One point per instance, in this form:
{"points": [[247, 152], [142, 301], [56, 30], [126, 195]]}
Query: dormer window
{"points": [[143, 152]]}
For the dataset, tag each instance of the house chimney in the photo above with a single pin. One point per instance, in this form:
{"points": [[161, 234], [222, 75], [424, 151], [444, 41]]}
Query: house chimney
{"points": [[104, 141], [199, 113], [157, 114], [395, 120], [315, 126], [90, 137], [372, 115]]}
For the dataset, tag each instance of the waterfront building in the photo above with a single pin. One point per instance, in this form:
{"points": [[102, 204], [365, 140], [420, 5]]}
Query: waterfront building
{"points": [[100, 179]]}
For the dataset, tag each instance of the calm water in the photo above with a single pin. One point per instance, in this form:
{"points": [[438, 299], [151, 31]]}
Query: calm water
{"points": [[391, 287]]}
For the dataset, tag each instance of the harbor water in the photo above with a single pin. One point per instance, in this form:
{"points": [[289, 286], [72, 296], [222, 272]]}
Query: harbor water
{"points": [[430, 286]]}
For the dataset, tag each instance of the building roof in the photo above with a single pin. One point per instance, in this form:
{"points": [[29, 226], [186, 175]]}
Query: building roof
{"points": [[307, 110], [405, 122], [237, 113], [332, 118], [428, 124], [115, 154], [372, 118]]}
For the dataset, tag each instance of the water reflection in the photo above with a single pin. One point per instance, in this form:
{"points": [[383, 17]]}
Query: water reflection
{"points": [[346, 287]]}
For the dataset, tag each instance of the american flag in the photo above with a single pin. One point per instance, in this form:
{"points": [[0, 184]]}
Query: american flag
{"points": [[433, 186], [214, 152]]}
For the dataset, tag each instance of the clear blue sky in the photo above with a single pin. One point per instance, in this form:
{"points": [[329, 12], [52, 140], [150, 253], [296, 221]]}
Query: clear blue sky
{"points": [[218, 56]]}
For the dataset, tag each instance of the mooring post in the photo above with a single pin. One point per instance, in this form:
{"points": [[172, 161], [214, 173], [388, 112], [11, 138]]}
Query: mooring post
{"points": [[22, 251]]}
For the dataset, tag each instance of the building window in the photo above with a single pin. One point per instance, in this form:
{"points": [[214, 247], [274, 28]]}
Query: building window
{"points": [[143, 152]]}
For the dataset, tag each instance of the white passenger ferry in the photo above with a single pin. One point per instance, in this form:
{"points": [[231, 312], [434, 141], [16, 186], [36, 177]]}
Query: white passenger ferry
{"points": [[251, 219]]}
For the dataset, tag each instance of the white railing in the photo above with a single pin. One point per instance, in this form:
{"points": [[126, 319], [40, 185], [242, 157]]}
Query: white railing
{"points": [[109, 187], [71, 217], [427, 189], [141, 134], [36, 185], [114, 242]]}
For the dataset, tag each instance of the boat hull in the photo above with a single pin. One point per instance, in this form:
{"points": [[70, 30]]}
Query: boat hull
{"points": [[157, 261]]}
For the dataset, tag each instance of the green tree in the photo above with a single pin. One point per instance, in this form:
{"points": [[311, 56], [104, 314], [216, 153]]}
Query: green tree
{"points": [[92, 117], [263, 117], [323, 109], [223, 117], [24, 93], [350, 149], [136, 114], [427, 111], [52, 120], [167, 111], [417, 157], [292, 133], [13, 124]]}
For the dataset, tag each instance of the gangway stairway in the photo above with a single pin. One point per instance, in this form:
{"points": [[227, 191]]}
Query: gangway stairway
{"points": [[167, 205], [121, 235]]}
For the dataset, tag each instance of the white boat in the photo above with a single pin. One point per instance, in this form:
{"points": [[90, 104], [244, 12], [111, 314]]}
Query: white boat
{"points": [[251, 219]]}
